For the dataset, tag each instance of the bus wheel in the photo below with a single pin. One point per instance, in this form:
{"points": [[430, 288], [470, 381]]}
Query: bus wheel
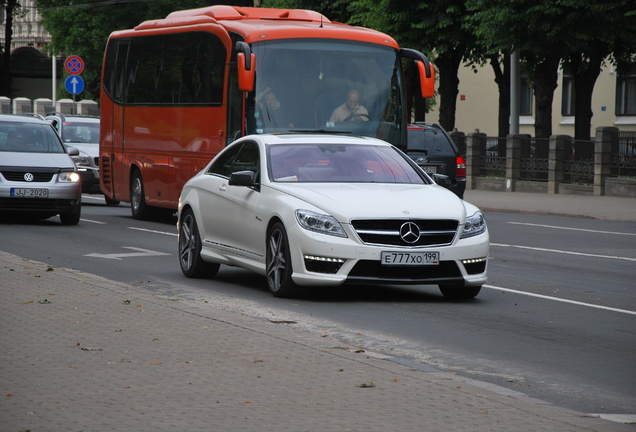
{"points": [[138, 206]]}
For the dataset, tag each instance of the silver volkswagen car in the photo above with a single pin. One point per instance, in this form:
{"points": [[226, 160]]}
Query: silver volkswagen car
{"points": [[37, 176]]}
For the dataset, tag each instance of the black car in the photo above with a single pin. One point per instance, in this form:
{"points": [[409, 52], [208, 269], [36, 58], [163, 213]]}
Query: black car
{"points": [[435, 152]]}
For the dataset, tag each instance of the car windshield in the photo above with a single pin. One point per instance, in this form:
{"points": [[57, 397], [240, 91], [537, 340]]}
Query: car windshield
{"points": [[83, 132], [330, 163], [29, 138]]}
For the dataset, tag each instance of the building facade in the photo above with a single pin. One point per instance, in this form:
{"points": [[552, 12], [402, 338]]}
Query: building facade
{"points": [[613, 102]]}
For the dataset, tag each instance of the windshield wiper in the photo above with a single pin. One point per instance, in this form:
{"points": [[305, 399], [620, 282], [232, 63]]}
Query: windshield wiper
{"points": [[320, 131]]}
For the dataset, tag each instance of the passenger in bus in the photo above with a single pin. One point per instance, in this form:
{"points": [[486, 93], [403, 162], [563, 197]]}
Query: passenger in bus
{"points": [[271, 111], [351, 110]]}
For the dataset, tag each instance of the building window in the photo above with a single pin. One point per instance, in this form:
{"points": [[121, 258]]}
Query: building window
{"points": [[526, 98], [567, 95], [626, 90]]}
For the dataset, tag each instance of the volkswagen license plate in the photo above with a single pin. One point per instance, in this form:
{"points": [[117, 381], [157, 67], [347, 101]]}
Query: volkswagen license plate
{"points": [[29, 193], [410, 258]]}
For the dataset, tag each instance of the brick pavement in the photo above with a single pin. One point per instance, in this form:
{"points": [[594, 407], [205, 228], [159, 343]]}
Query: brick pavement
{"points": [[82, 353]]}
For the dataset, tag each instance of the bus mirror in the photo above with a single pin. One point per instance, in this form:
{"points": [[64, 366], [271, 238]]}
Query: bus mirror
{"points": [[427, 81], [425, 69], [246, 72]]}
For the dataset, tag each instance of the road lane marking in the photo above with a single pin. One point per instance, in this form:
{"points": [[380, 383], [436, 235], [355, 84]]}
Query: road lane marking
{"points": [[574, 302], [564, 252], [118, 256], [93, 221], [573, 229], [153, 231]]}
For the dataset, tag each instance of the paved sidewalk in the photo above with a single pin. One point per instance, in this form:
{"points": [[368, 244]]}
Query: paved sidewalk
{"points": [[595, 207], [82, 353]]}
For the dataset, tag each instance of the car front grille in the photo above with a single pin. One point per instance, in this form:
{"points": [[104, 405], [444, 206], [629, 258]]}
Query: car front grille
{"points": [[386, 232], [39, 176], [368, 271]]}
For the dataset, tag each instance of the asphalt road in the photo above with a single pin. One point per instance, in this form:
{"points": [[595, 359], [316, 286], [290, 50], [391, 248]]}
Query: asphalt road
{"points": [[557, 320]]}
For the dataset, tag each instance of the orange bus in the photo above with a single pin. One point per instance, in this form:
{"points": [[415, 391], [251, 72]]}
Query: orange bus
{"points": [[177, 90]]}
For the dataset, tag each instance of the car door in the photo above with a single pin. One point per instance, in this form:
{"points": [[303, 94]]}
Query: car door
{"points": [[228, 212]]}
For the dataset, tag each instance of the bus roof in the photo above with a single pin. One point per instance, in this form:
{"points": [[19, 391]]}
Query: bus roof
{"points": [[258, 24]]}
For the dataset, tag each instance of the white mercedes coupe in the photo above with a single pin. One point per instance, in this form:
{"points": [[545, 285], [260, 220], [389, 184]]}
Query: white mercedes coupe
{"points": [[326, 210]]}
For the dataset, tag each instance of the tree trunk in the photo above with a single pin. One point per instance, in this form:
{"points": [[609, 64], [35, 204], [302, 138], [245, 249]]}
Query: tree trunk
{"points": [[585, 73], [448, 66], [502, 78], [544, 80], [5, 78]]}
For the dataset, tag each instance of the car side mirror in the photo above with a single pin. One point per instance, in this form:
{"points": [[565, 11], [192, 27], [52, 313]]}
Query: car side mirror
{"points": [[242, 178], [72, 151], [442, 180]]}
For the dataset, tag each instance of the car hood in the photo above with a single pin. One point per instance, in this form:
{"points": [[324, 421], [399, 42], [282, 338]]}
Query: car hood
{"points": [[90, 149], [353, 201], [46, 160]]}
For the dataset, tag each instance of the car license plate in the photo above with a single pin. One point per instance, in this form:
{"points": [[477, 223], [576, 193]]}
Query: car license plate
{"points": [[29, 193], [430, 169], [409, 258]]}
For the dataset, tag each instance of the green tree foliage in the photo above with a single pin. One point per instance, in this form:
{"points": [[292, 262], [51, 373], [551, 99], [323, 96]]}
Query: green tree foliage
{"points": [[581, 33], [437, 28], [81, 27]]}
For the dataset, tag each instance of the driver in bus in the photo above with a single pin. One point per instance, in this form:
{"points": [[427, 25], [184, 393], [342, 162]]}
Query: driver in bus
{"points": [[351, 110]]}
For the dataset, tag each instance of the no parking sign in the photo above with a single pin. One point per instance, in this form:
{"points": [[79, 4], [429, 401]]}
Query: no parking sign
{"points": [[74, 65]]}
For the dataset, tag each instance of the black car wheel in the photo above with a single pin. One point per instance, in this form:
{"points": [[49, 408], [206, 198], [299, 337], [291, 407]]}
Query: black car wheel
{"points": [[278, 263], [192, 265]]}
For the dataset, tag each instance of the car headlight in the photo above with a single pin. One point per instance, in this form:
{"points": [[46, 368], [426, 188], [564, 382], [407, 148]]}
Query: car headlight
{"points": [[475, 225], [320, 223], [81, 160], [69, 177]]}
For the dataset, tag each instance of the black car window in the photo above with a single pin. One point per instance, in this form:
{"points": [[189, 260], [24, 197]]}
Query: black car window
{"points": [[239, 157], [429, 140]]}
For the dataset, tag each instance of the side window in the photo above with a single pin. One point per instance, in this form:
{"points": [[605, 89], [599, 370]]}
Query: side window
{"points": [[248, 160], [242, 157], [626, 90], [223, 165]]}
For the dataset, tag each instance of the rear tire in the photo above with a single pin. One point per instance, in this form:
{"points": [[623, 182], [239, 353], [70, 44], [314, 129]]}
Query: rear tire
{"points": [[192, 265], [458, 292], [278, 263], [140, 210]]}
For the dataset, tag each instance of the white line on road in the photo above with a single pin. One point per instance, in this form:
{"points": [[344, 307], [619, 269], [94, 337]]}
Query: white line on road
{"points": [[611, 309], [118, 256], [153, 231], [573, 229], [564, 252], [93, 221]]}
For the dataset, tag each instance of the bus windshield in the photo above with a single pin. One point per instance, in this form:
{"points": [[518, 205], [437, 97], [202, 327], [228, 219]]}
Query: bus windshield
{"points": [[328, 86]]}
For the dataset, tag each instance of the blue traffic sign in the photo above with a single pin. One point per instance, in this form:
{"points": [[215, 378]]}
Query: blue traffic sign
{"points": [[74, 84]]}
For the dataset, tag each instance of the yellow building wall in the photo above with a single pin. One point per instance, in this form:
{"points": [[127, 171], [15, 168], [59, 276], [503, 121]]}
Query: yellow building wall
{"points": [[478, 101]]}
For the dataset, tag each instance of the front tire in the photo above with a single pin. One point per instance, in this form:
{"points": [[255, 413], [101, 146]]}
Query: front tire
{"points": [[140, 210], [455, 292], [278, 263], [192, 265], [71, 217]]}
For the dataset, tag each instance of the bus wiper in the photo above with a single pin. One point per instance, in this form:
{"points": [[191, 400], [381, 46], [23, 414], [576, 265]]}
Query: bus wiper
{"points": [[320, 131]]}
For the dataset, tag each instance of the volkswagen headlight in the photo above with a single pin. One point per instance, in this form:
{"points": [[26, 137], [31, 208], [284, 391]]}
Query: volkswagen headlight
{"points": [[320, 223], [475, 225], [69, 177]]}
